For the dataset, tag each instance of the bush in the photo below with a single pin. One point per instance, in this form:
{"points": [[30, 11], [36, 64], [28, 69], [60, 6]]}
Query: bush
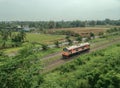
{"points": [[67, 68], [88, 58], [1, 53], [44, 47], [57, 44], [118, 45], [79, 38], [79, 61], [70, 42]]}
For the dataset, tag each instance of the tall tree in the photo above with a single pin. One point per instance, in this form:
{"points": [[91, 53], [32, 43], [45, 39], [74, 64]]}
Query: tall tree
{"points": [[92, 35], [22, 35], [4, 36], [51, 24]]}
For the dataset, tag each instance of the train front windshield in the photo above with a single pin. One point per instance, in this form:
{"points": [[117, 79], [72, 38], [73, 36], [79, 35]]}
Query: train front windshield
{"points": [[65, 50]]}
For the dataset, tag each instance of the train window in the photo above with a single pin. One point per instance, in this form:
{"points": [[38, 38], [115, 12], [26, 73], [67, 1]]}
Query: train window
{"points": [[76, 49], [82, 47], [64, 49]]}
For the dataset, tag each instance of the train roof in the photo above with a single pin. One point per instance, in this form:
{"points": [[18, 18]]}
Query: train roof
{"points": [[76, 46]]}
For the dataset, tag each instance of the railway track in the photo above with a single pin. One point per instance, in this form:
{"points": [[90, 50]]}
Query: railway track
{"points": [[56, 63]]}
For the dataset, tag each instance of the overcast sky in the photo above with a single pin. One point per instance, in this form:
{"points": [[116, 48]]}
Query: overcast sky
{"points": [[42, 10]]}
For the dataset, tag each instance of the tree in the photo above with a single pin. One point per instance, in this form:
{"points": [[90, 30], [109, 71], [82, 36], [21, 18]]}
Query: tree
{"points": [[44, 46], [87, 39], [51, 24], [4, 36], [101, 34], [57, 44], [67, 37], [70, 42], [107, 21], [22, 35], [92, 35], [79, 38], [92, 23]]}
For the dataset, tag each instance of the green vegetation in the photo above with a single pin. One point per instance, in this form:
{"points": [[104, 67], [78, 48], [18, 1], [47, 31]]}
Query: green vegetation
{"points": [[8, 39], [95, 70], [93, 42], [18, 71], [113, 30], [24, 70], [43, 25], [79, 38], [98, 41], [43, 38], [92, 35], [57, 44], [44, 47]]}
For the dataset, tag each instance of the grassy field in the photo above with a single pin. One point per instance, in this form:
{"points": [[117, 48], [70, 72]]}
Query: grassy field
{"points": [[44, 38], [35, 38], [84, 30]]}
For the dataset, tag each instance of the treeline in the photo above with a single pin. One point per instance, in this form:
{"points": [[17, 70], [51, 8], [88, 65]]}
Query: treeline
{"points": [[57, 24]]}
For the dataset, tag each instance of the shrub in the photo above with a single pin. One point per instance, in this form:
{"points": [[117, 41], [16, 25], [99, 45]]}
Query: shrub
{"points": [[67, 68], [44, 47], [118, 45], [57, 44], [79, 61]]}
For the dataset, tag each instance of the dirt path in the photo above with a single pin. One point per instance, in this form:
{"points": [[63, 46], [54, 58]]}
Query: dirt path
{"points": [[61, 61]]}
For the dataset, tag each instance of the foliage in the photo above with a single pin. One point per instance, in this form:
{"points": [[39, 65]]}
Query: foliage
{"points": [[101, 34], [44, 47], [79, 39], [57, 44], [92, 35], [42, 25], [22, 71], [96, 70], [13, 39], [43, 38], [113, 30]]}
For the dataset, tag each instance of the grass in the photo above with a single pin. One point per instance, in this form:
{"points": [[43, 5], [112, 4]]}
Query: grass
{"points": [[47, 61], [44, 38], [100, 41], [12, 50], [42, 54]]}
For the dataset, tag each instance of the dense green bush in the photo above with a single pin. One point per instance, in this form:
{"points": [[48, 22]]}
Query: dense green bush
{"points": [[21, 71]]}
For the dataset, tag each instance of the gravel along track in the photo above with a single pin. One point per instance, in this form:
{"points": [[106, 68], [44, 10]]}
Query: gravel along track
{"points": [[56, 63]]}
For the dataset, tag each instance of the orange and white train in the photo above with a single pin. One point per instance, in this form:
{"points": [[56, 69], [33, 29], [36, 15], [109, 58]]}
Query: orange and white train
{"points": [[72, 50]]}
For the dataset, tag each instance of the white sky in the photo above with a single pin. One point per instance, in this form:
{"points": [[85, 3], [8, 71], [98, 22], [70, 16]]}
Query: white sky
{"points": [[40, 10]]}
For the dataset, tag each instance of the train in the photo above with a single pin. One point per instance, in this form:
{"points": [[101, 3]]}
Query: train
{"points": [[75, 49]]}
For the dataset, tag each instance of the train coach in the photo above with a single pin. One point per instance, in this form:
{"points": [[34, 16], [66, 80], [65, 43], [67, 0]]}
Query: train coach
{"points": [[75, 49]]}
